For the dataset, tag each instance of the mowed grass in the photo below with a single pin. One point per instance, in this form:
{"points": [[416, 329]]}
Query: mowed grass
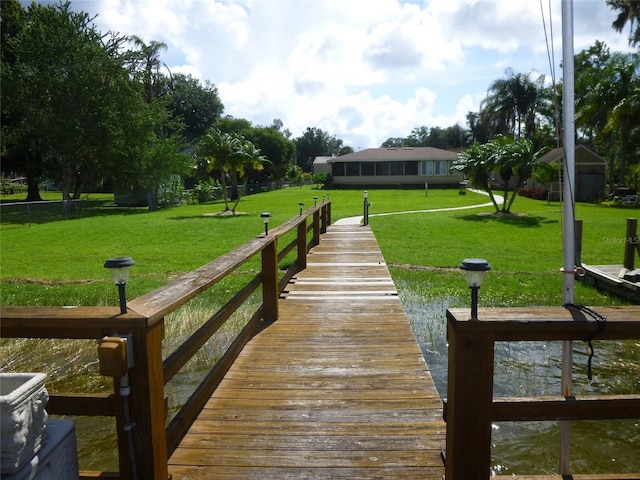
{"points": [[525, 252], [49, 257]]}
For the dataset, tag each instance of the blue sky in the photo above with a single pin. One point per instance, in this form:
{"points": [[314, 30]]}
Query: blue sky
{"points": [[362, 70]]}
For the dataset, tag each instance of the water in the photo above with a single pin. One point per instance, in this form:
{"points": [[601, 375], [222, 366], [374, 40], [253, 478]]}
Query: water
{"points": [[533, 369]]}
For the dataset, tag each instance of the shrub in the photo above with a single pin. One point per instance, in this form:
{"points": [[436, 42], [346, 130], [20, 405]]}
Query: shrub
{"points": [[322, 179]]}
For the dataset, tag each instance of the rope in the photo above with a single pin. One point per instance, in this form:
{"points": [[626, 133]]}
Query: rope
{"points": [[601, 322]]}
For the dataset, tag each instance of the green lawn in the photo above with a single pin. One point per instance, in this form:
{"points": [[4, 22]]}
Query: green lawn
{"points": [[50, 257]]}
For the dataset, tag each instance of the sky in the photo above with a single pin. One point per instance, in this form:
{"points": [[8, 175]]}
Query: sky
{"points": [[361, 70]]}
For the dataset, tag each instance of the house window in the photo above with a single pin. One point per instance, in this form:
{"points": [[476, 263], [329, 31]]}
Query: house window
{"points": [[435, 167], [411, 168], [367, 169], [337, 169], [382, 169], [353, 169], [396, 168]]}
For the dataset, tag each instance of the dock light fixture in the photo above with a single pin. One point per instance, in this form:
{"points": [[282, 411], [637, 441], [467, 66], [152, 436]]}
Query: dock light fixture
{"points": [[474, 269], [265, 218], [301, 205], [365, 208], [119, 268], [315, 201]]}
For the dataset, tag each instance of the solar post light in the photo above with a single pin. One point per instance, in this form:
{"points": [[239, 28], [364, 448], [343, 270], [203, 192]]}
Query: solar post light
{"points": [[119, 268], [365, 196], [265, 218], [301, 205], [474, 269], [315, 201]]}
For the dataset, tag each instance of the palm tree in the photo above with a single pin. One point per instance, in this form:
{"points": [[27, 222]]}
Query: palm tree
{"points": [[512, 104], [217, 147], [244, 156], [148, 57], [629, 12], [511, 158], [477, 163]]}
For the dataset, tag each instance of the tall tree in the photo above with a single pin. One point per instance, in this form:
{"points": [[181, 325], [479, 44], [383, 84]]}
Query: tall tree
{"points": [[512, 104], [628, 12], [315, 142], [68, 97], [279, 150], [198, 106], [146, 62], [607, 105]]}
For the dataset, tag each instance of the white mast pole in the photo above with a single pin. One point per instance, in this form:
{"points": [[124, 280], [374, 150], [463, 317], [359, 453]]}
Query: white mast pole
{"points": [[568, 123]]}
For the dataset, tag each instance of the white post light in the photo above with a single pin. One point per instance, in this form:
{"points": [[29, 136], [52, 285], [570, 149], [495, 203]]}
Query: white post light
{"points": [[474, 269]]}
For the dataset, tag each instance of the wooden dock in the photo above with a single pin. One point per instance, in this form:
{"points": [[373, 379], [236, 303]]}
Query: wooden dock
{"points": [[336, 388], [608, 278]]}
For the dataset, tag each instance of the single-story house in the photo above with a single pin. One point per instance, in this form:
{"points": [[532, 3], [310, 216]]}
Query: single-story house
{"points": [[402, 166], [591, 173]]}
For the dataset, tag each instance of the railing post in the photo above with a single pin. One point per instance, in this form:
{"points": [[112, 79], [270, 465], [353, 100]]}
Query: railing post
{"points": [[302, 245], [328, 219], [270, 291], [469, 402], [147, 407], [316, 227], [630, 243], [578, 242]]}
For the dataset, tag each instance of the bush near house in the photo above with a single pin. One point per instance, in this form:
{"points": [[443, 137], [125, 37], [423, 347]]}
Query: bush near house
{"points": [[535, 193]]}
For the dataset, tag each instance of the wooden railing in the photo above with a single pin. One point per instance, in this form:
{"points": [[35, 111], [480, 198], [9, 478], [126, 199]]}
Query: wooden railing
{"points": [[153, 439], [470, 407]]}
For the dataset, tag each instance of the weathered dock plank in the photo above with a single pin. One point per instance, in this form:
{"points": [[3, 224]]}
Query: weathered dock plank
{"points": [[335, 388]]}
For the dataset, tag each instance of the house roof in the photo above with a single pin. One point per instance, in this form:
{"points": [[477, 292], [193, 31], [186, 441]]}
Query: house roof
{"points": [[584, 155], [318, 160], [396, 154]]}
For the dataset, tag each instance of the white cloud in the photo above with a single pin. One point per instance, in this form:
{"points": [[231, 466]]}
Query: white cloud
{"points": [[363, 70]]}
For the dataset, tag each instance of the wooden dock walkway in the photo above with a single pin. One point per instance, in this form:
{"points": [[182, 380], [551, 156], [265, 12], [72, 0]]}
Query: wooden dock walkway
{"points": [[336, 388]]}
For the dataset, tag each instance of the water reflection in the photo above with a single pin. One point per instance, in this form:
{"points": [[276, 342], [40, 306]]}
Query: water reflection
{"points": [[533, 369]]}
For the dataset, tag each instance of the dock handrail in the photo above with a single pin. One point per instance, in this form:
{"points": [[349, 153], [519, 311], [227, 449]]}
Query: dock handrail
{"points": [[470, 407], [144, 322]]}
